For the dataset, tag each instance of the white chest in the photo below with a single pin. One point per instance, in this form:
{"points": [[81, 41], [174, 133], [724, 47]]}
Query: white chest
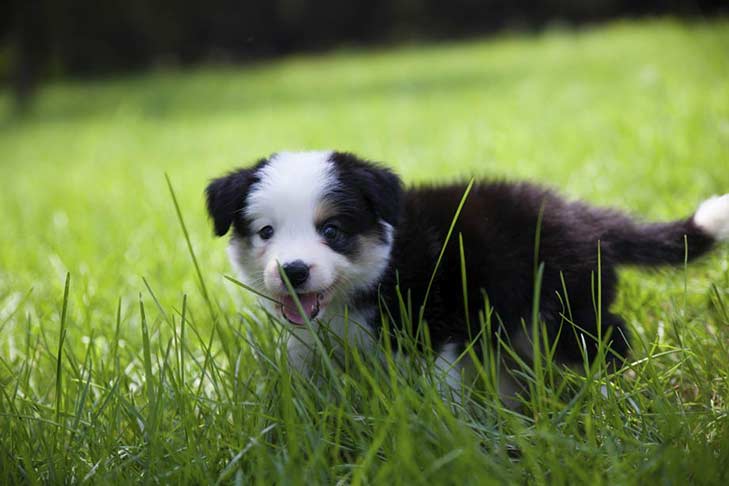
{"points": [[335, 333]]}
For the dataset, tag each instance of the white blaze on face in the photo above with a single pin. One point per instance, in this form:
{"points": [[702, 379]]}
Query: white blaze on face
{"points": [[290, 190], [290, 198], [287, 198]]}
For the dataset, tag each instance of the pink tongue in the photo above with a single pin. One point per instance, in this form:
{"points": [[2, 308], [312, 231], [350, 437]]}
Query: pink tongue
{"points": [[291, 311]]}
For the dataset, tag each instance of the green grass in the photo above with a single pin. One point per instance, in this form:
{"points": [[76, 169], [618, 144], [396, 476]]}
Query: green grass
{"points": [[132, 372]]}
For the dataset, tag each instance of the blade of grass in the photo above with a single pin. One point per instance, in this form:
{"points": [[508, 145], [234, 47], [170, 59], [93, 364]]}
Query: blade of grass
{"points": [[250, 289], [59, 356], [443, 250], [317, 342], [464, 285], [200, 279], [147, 357], [19, 306]]}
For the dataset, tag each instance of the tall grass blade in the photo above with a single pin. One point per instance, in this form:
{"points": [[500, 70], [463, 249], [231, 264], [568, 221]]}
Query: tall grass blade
{"points": [[59, 356], [200, 279], [443, 250]]}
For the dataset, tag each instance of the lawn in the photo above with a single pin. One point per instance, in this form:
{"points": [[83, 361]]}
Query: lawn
{"points": [[150, 371]]}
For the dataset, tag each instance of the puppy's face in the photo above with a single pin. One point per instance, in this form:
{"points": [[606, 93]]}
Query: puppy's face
{"points": [[323, 219]]}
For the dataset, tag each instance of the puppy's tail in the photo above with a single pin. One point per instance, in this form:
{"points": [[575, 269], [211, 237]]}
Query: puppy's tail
{"points": [[625, 241]]}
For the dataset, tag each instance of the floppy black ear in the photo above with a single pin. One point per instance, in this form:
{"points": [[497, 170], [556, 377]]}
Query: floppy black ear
{"points": [[384, 192], [226, 196], [382, 188]]}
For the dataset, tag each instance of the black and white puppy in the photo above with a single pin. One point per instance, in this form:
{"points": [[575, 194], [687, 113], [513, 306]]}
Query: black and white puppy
{"points": [[348, 235]]}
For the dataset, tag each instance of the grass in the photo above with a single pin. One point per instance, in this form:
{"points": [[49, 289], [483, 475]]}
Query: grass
{"points": [[122, 361]]}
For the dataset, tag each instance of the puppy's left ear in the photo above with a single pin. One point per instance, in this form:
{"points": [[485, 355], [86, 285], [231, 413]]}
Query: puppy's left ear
{"points": [[226, 196], [381, 188], [384, 193]]}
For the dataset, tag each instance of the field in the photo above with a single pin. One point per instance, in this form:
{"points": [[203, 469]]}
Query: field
{"points": [[144, 369]]}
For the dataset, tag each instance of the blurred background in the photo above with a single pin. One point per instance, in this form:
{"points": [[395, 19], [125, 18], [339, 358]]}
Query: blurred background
{"points": [[620, 102], [43, 39]]}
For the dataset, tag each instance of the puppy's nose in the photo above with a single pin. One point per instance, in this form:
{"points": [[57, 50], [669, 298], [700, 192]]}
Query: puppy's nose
{"points": [[297, 272]]}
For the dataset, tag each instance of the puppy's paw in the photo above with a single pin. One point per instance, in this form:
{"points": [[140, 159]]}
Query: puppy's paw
{"points": [[713, 217]]}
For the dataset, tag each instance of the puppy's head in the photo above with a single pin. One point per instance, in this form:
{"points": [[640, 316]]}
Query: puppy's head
{"points": [[324, 219]]}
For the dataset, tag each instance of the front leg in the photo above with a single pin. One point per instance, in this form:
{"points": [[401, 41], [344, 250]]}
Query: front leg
{"points": [[301, 351], [450, 372], [352, 332]]}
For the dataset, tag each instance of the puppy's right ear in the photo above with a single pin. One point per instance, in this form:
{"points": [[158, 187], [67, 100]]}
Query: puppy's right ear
{"points": [[226, 196]]}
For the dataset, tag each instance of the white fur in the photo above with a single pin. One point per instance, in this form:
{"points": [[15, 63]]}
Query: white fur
{"points": [[288, 197], [713, 217], [452, 370], [301, 346], [373, 262], [290, 190]]}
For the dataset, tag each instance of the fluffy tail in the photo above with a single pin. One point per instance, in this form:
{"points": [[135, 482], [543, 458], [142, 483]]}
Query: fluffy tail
{"points": [[628, 242]]}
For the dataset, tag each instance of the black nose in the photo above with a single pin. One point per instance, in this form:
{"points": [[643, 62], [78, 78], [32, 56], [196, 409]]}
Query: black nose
{"points": [[297, 272]]}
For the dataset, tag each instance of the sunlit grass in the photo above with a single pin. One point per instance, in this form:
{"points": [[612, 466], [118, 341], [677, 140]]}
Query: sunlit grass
{"points": [[160, 380]]}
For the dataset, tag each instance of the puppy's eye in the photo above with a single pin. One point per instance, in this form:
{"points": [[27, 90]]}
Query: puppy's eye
{"points": [[266, 232], [330, 231]]}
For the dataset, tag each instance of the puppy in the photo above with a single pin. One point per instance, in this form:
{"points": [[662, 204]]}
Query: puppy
{"points": [[351, 240]]}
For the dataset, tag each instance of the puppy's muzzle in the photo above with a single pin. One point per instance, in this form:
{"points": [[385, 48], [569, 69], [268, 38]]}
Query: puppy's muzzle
{"points": [[297, 272]]}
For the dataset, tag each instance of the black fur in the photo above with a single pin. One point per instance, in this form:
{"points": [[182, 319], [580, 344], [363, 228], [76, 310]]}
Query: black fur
{"points": [[379, 188], [498, 225], [371, 193], [226, 197]]}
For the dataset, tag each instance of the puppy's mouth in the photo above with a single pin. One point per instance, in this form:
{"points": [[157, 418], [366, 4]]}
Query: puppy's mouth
{"points": [[311, 304]]}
